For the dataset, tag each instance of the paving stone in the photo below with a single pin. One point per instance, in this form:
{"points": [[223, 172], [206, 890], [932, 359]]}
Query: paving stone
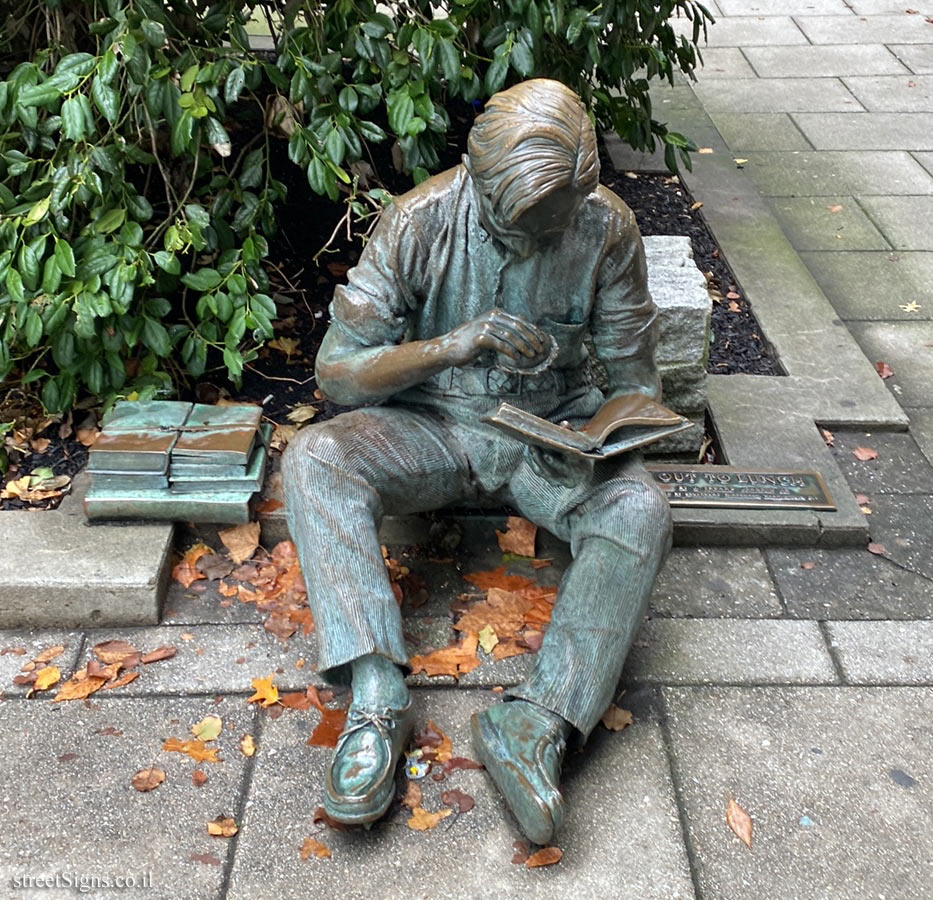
{"points": [[921, 427], [888, 8], [621, 777], [207, 659], [759, 131], [917, 57], [867, 131], [823, 62], [746, 31], [893, 93], [811, 224], [33, 642], [907, 347], [834, 780], [69, 808], [724, 62], [900, 218], [715, 582], [849, 29], [775, 95], [899, 469], [730, 651], [872, 286], [884, 652], [837, 173], [200, 604], [848, 584], [901, 524], [782, 7]]}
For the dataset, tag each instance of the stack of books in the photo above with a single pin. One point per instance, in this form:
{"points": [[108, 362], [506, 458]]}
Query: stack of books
{"points": [[165, 459]]}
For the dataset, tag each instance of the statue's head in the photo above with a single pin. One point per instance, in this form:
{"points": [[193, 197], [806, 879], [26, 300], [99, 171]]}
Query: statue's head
{"points": [[532, 157]]}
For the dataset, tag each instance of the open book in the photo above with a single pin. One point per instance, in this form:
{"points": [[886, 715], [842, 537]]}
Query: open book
{"points": [[621, 424]]}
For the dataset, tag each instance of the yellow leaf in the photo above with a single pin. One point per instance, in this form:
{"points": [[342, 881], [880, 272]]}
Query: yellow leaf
{"points": [[197, 750], [422, 820], [301, 414], [740, 162], [207, 729], [222, 826], [241, 541], [247, 745], [740, 822], [488, 638], [46, 677], [79, 686], [705, 150], [311, 847], [615, 718], [286, 345], [913, 306], [266, 692]]}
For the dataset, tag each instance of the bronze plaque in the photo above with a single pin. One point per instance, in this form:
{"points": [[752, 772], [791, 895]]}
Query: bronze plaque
{"points": [[732, 486]]}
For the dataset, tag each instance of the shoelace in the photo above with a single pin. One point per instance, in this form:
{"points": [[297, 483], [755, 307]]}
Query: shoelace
{"points": [[382, 720]]}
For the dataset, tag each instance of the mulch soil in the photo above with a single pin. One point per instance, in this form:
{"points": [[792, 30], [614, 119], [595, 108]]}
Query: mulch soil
{"points": [[303, 289]]}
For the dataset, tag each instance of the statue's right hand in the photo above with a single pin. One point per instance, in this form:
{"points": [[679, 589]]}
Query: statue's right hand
{"points": [[500, 332]]}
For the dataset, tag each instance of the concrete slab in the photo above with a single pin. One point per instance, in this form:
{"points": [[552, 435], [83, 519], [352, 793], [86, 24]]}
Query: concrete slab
{"points": [[823, 62], [729, 651], [908, 348], [834, 173], [900, 218], [833, 779], [867, 131], [201, 604], [759, 131], [848, 584], [775, 95], [874, 286], [621, 777], [58, 571], [715, 582], [746, 31], [901, 524], [893, 93], [884, 652], [917, 57], [899, 469], [69, 807], [889, 8], [20, 647], [782, 7], [921, 427], [849, 29], [724, 62], [925, 159], [827, 223]]}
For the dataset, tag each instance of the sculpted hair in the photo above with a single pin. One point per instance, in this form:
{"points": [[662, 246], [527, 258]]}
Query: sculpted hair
{"points": [[532, 139]]}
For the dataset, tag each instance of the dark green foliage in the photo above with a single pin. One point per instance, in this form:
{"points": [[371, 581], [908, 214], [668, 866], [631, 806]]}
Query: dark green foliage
{"points": [[135, 189]]}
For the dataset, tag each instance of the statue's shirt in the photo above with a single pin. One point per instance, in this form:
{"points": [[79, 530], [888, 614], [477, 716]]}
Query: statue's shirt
{"points": [[430, 266]]}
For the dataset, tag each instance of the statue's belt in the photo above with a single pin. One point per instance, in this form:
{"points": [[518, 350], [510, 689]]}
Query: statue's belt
{"points": [[489, 381]]}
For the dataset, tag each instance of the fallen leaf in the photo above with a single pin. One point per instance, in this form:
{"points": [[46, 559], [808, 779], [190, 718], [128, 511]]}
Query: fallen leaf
{"points": [[122, 681], [504, 611], [207, 858], [732, 295], [315, 848], [705, 150], [222, 826], [739, 162], [734, 307], [79, 686], [436, 745], [487, 638], [520, 856], [913, 306], [883, 369], [835, 208], [286, 345], [413, 795], [241, 541], [147, 780], [862, 499], [40, 445], [186, 571], [247, 745], [808, 565], [46, 677], [266, 692], [740, 822], [455, 660], [877, 549], [68, 757], [198, 777], [540, 563], [267, 507], [828, 437], [328, 729], [110, 652], [208, 728], [697, 205], [320, 817], [301, 414], [109, 731], [461, 762], [615, 718], [457, 800], [865, 453], [422, 820], [158, 654], [518, 537], [47, 655], [546, 856], [87, 436], [197, 750]]}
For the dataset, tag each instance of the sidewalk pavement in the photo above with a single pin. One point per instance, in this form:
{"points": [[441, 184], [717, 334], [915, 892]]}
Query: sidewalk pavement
{"points": [[798, 682]]}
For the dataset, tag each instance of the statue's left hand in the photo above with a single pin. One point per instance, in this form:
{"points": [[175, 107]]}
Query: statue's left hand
{"points": [[557, 467]]}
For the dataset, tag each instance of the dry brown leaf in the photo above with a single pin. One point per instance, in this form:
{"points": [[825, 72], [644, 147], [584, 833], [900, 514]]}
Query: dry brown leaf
{"points": [[828, 437], [422, 820], [734, 307], [503, 610], [286, 345], [186, 571], [266, 692], [208, 729], [329, 728], [457, 800], [615, 718], [862, 499], [865, 453], [301, 414], [518, 537], [46, 677], [79, 686], [698, 204], [222, 826], [413, 795], [455, 660], [87, 436], [158, 654], [883, 369], [122, 681], [740, 822], [49, 654], [808, 565], [436, 746], [241, 541], [197, 750], [877, 549], [247, 745], [546, 856], [147, 780], [267, 507], [110, 652], [198, 777], [835, 208], [315, 848]]}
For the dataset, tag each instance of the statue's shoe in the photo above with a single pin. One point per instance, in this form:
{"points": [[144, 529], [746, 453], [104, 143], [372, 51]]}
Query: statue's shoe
{"points": [[522, 747], [360, 779]]}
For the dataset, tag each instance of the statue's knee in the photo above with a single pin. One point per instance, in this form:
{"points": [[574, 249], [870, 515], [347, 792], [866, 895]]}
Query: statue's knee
{"points": [[626, 503], [314, 448]]}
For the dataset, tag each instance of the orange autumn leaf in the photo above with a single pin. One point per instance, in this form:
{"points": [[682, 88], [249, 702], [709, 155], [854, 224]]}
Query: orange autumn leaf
{"points": [[222, 826], [312, 847], [46, 677], [197, 750], [422, 820], [329, 728], [455, 660], [503, 610], [546, 856], [506, 649], [110, 652], [198, 778], [497, 578], [434, 744], [740, 822], [413, 795], [186, 571], [158, 654], [50, 654], [519, 536], [79, 686], [241, 541], [122, 681], [266, 692]]}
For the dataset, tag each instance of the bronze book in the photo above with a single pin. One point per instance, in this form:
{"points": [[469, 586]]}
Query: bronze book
{"points": [[623, 423]]}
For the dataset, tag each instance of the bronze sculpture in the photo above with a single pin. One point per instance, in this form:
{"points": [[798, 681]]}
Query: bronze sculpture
{"points": [[480, 285]]}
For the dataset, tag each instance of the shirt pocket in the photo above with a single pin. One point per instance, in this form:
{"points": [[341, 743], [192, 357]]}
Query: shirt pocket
{"points": [[569, 337]]}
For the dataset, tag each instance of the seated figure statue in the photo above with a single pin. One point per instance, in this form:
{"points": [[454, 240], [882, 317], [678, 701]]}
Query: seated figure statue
{"points": [[480, 286]]}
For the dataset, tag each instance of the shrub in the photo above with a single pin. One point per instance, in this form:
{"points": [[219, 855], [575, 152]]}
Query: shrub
{"points": [[136, 192]]}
